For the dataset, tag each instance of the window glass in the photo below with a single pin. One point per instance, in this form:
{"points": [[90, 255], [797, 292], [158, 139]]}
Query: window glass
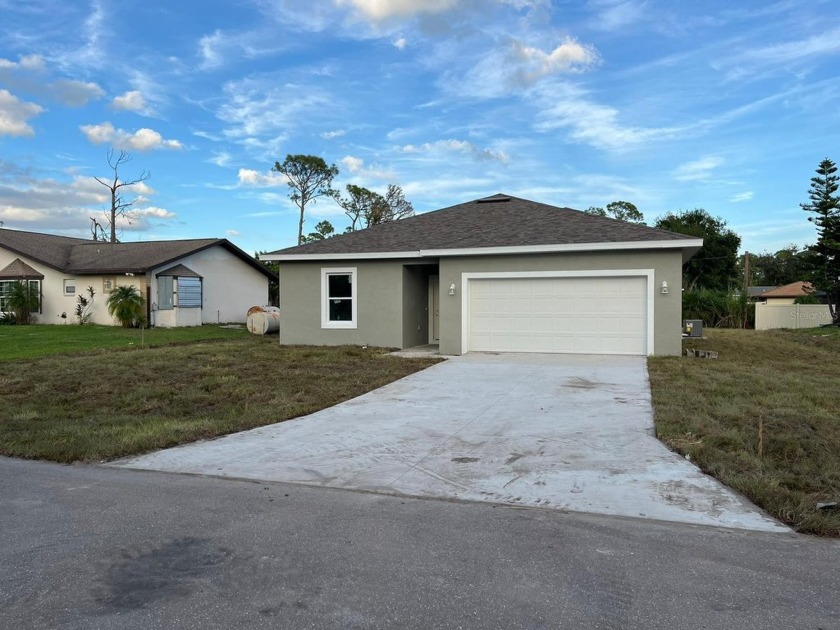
{"points": [[69, 287], [340, 285], [341, 310]]}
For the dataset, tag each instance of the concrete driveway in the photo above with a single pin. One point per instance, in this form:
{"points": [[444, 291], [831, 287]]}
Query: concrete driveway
{"points": [[565, 432]]}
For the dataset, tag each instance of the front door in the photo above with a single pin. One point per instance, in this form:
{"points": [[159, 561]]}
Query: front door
{"points": [[434, 309]]}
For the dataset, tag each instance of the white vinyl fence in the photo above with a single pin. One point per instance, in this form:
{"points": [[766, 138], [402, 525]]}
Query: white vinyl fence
{"points": [[769, 316]]}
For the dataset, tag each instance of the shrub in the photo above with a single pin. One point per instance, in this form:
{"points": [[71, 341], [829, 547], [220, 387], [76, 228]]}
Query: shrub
{"points": [[719, 309], [24, 300], [126, 304]]}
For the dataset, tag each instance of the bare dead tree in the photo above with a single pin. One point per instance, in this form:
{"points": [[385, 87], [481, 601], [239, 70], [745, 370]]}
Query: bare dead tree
{"points": [[120, 207], [96, 230]]}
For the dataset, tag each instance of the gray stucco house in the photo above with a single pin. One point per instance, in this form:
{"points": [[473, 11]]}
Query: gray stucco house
{"points": [[498, 274]]}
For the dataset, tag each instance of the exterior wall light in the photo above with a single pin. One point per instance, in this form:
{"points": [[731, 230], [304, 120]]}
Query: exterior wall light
{"points": [[664, 288], [452, 289]]}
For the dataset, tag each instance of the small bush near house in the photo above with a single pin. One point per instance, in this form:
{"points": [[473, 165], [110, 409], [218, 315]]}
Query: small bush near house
{"points": [[23, 301], [126, 304], [719, 309]]}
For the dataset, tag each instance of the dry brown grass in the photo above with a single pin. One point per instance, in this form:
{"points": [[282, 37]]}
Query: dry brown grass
{"points": [[764, 418], [109, 404]]}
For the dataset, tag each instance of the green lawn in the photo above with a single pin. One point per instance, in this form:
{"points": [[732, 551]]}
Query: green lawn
{"points": [[108, 404], [764, 418], [28, 342]]}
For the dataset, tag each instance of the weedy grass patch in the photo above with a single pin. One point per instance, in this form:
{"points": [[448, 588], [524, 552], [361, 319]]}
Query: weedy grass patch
{"points": [[763, 418], [108, 404], [29, 342]]}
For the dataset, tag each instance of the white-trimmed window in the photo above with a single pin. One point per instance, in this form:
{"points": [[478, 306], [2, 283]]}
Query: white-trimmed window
{"points": [[69, 287], [6, 288], [338, 297]]}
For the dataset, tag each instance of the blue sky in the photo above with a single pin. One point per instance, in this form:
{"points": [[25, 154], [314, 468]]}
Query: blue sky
{"points": [[723, 105]]}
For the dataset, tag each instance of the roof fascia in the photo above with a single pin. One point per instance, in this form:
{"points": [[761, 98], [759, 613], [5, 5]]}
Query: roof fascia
{"points": [[690, 246]]}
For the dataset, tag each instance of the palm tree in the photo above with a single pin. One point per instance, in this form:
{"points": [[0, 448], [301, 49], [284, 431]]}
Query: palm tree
{"points": [[126, 304], [24, 300]]}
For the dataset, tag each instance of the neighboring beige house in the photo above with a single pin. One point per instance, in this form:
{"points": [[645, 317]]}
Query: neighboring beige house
{"points": [[184, 283], [786, 294], [499, 274]]}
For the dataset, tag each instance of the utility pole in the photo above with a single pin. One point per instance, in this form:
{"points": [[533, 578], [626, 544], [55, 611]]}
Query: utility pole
{"points": [[747, 273]]}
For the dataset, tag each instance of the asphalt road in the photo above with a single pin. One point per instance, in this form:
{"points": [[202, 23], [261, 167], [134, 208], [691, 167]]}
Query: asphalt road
{"points": [[88, 548]]}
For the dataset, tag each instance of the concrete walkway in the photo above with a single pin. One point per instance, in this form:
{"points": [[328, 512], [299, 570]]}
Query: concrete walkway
{"points": [[564, 432]]}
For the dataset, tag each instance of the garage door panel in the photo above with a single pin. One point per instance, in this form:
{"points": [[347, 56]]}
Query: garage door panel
{"points": [[577, 315]]}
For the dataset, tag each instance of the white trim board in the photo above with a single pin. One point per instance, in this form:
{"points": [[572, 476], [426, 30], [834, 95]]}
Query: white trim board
{"points": [[687, 243], [587, 273], [354, 297]]}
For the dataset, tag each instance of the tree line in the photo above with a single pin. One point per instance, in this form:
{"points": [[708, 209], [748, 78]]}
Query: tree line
{"points": [[310, 178]]}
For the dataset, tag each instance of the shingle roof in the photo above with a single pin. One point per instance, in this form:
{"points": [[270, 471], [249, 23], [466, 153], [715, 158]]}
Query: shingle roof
{"points": [[79, 256], [792, 290], [755, 291], [179, 271], [497, 221], [19, 270]]}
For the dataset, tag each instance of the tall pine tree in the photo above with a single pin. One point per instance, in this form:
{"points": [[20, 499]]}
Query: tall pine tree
{"points": [[823, 258]]}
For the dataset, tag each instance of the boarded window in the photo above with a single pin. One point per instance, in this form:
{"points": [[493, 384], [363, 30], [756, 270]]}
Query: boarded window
{"points": [[165, 293], [189, 292]]}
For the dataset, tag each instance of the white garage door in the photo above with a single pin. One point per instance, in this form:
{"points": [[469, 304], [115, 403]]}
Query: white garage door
{"points": [[594, 315]]}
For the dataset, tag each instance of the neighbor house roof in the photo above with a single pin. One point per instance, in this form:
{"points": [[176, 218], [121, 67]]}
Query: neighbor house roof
{"points": [[19, 270], [756, 291], [85, 257], [792, 290], [497, 224]]}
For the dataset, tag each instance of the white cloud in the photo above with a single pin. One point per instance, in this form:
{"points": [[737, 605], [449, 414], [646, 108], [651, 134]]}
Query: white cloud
{"points": [[400, 43], [76, 93], [613, 16], [46, 204], [24, 62], [216, 48], [141, 140], [261, 112], [744, 196], [568, 56], [823, 44], [155, 212], [564, 106], [221, 159], [14, 114], [329, 135], [382, 10], [698, 170], [208, 47], [251, 178], [232, 233], [131, 101], [519, 66], [357, 167], [457, 146]]}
